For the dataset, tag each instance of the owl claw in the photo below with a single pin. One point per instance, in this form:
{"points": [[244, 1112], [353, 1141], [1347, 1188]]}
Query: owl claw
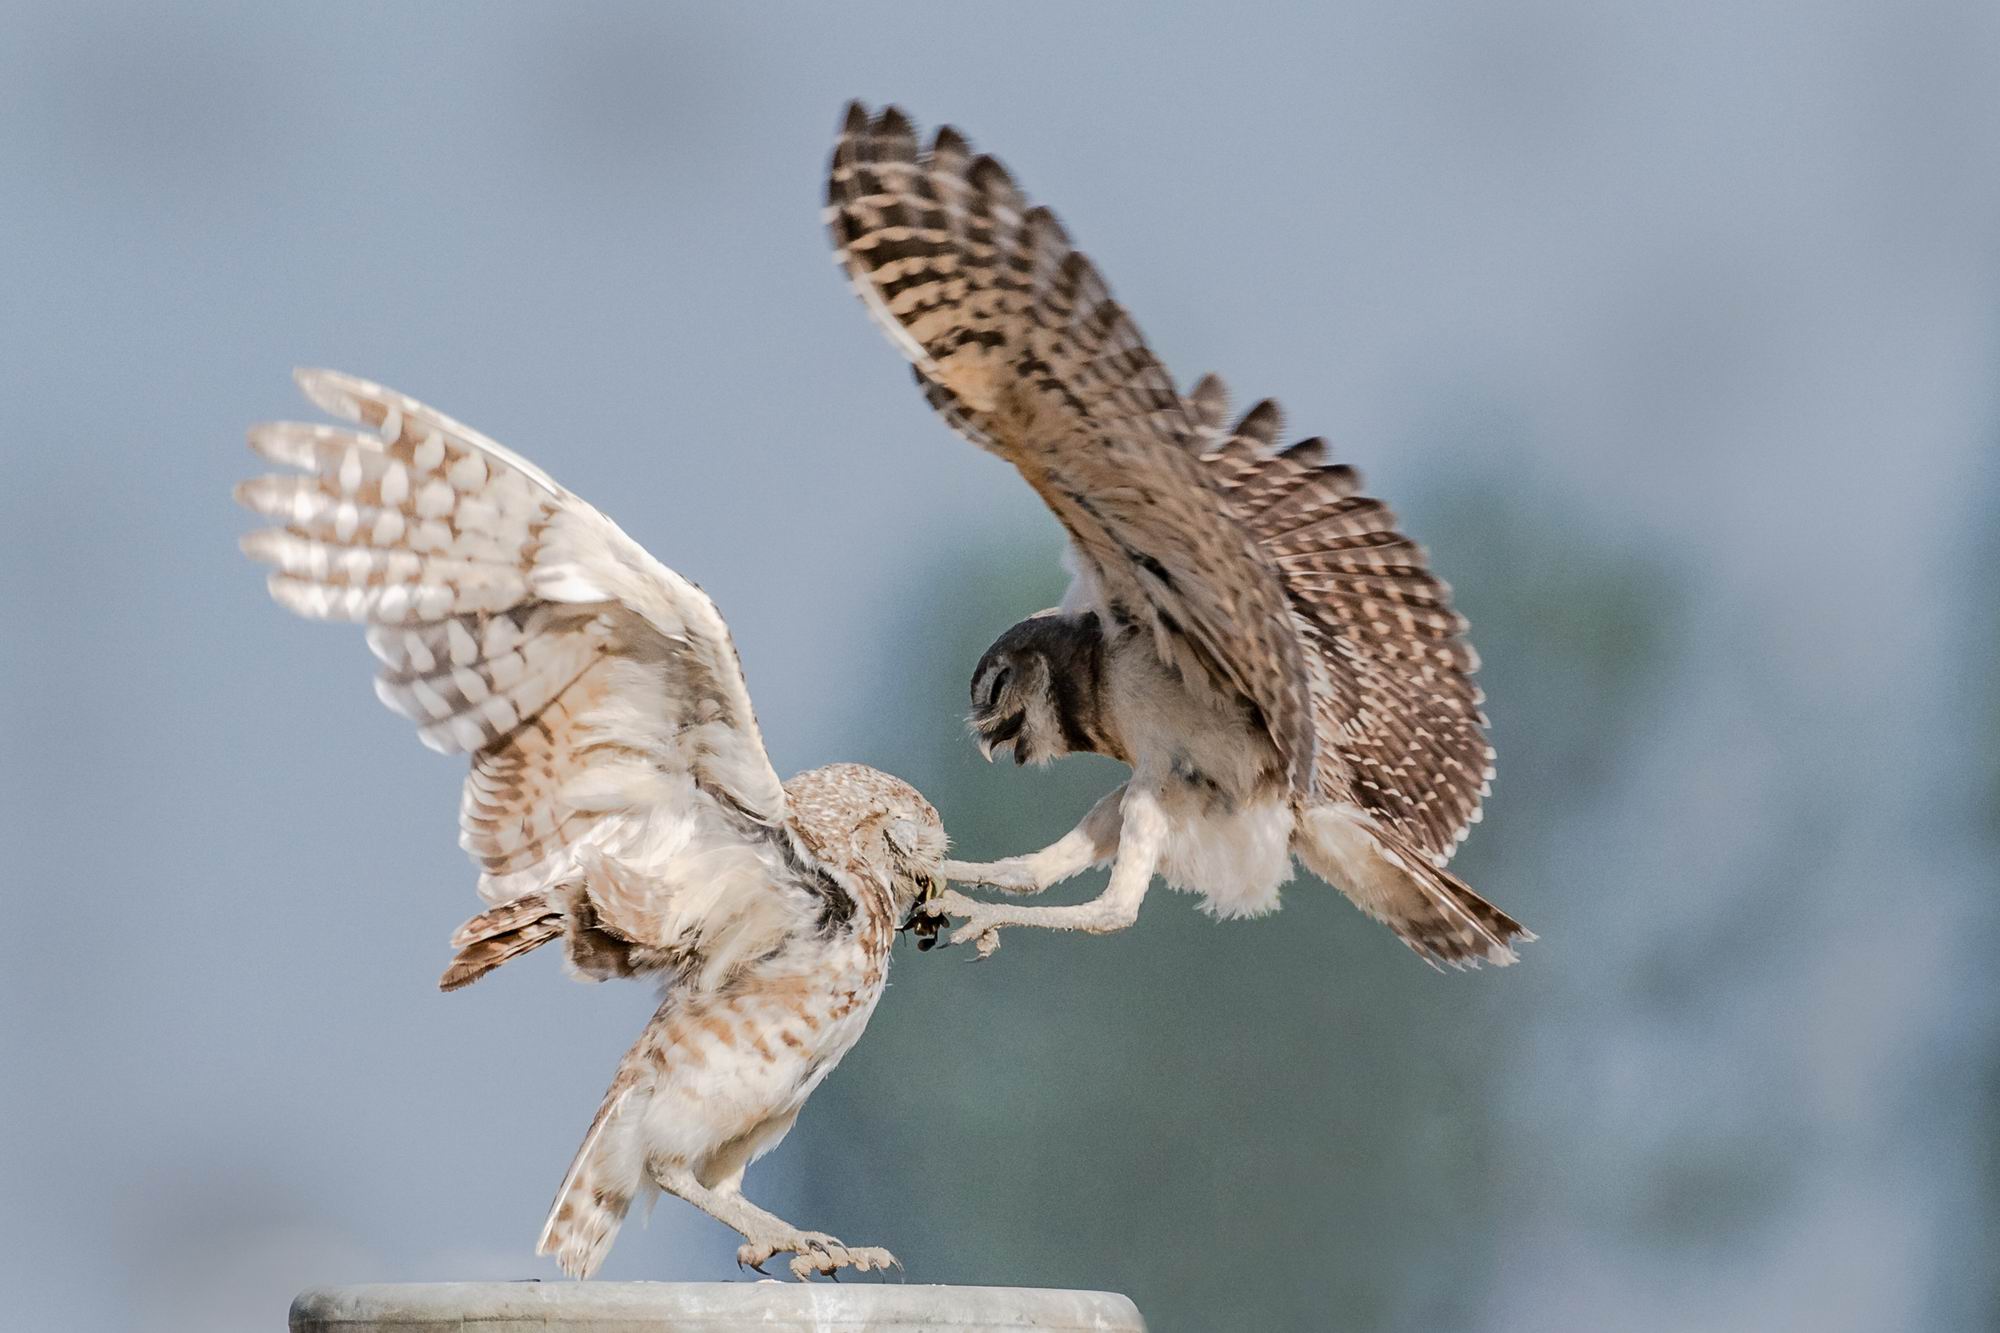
{"points": [[816, 1253], [987, 943], [980, 927]]}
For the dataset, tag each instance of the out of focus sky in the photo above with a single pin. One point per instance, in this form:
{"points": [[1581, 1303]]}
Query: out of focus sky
{"points": [[1674, 331]]}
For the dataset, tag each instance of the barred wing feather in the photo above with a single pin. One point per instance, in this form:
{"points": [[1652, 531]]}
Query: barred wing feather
{"points": [[597, 692], [1017, 342]]}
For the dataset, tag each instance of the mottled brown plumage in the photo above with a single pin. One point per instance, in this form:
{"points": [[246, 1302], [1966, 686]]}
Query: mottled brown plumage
{"points": [[1399, 727], [1317, 695], [619, 798], [1016, 336]]}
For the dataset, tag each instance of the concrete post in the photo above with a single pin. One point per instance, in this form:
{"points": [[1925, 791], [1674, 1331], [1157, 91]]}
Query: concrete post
{"points": [[710, 1307]]}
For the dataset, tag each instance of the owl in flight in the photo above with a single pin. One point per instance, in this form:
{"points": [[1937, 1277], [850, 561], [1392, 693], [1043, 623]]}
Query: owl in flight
{"points": [[620, 799], [1244, 628]]}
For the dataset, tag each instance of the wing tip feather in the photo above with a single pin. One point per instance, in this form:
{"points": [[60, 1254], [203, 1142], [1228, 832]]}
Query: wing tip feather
{"points": [[334, 392]]}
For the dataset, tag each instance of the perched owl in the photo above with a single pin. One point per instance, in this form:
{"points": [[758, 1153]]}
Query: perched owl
{"points": [[1244, 628], [620, 799]]}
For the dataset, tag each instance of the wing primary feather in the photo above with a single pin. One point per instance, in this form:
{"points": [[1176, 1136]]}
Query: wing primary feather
{"points": [[597, 692], [1296, 591], [1019, 344]]}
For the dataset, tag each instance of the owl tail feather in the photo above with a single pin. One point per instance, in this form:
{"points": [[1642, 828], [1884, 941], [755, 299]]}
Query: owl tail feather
{"points": [[1432, 910], [608, 1172], [502, 933]]}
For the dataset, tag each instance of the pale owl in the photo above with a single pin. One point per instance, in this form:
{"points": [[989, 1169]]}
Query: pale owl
{"points": [[1244, 628], [620, 799]]}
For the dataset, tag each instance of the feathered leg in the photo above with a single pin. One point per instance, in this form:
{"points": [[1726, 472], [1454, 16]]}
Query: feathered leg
{"points": [[1141, 839], [1092, 842]]}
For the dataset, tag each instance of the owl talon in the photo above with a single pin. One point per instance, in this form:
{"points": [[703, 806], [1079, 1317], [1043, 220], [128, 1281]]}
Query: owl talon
{"points": [[981, 931], [814, 1253], [979, 926]]}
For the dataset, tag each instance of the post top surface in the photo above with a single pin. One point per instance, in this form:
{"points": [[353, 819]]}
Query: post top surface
{"points": [[711, 1307]]}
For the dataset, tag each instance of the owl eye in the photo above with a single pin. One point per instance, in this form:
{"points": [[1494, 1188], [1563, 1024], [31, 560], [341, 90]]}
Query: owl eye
{"points": [[1000, 679]]}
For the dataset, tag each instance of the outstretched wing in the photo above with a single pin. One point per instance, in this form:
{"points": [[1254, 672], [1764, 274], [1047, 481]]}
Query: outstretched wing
{"points": [[1016, 340], [597, 691], [1400, 730]]}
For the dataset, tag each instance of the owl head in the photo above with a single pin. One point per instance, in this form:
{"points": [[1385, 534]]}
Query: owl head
{"points": [[872, 825], [910, 843], [1035, 690]]}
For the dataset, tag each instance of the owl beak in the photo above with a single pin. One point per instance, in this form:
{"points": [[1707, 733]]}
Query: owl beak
{"points": [[1006, 733]]}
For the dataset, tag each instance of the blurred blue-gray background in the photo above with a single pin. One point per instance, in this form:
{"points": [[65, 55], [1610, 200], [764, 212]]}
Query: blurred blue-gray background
{"points": [[1673, 330]]}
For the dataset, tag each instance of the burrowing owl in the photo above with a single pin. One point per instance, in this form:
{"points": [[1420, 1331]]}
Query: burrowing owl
{"points": [[620, 798], [1244, 628]]}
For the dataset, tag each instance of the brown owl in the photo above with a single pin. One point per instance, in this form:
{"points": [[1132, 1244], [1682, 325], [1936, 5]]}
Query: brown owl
{"points": [[1245, 628], [620, 799]]}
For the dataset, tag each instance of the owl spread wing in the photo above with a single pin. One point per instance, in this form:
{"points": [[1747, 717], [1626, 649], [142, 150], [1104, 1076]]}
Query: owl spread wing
{"points": [[1401, 732], [598, 692], [1016, 340]]}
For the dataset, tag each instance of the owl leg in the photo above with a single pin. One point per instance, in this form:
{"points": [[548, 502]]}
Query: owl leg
{"points": [[1092, 842], [1142, 840], [765, 1234]]}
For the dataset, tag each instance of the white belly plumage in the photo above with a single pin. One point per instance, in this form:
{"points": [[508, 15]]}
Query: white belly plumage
{"points": [[1236, 860]]}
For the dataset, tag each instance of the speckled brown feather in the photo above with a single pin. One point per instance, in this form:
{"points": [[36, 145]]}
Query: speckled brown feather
{"points": [[598, 1189], [502, 933], [1401, 733], [797, 1008], [1445, 922], [620, 797], [1018, 343], [435, 536]]}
